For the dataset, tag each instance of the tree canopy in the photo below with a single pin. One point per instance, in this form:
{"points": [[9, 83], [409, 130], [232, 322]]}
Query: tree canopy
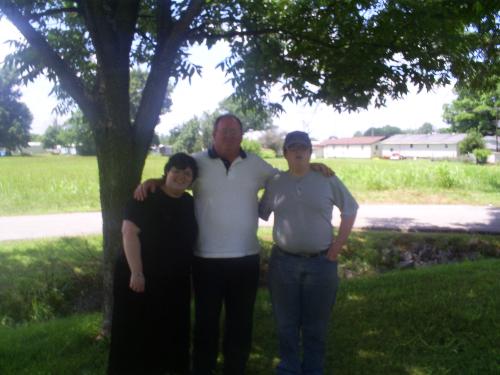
{"points": [[15, 117], [426, 128], [386, 130], [273, 139], [474, 110], [346, 53]]}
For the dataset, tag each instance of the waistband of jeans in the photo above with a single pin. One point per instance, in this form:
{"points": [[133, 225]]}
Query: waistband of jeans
{"points": [[300, 255]]}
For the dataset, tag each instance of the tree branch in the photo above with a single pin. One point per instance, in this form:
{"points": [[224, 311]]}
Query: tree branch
{"points": [[232, 34], [164, 20], [50, 12], [111, 26], [111, 30], [67, 77], [161, 70]]}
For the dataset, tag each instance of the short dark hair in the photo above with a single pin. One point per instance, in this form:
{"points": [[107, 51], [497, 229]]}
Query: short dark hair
{"points": [[181, 160], [224, 116]]}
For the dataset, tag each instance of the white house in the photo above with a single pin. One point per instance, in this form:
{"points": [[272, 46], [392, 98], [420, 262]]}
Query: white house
{"points": [[432, 146], [35, 148], [355, 147], [492, 143]]}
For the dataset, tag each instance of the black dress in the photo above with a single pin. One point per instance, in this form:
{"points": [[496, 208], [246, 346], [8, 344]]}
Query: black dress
{"points": [[151, 330]]}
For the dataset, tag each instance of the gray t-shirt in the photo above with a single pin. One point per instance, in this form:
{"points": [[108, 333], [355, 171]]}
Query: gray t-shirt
{"points": [[303, 208]]}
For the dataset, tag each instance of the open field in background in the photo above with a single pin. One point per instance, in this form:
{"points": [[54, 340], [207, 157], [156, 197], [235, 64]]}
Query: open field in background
{"points": [[50, 184], [439, 320]]}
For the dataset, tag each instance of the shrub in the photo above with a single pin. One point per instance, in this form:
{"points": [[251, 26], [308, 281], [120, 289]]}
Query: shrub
{"points": [[481, 155], [445, 179], [251, 146], [473, 141], [267, 153]]}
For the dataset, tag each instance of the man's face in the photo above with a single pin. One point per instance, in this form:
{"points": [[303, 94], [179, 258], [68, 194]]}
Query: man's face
{"points": [[227, 136], [298, 155]]}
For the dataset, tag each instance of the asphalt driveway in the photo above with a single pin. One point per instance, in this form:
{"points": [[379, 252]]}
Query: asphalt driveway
{"points": [[445, 218]]}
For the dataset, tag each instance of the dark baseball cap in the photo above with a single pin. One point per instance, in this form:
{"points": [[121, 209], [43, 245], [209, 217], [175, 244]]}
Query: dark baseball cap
{"points": [[297, 137]]}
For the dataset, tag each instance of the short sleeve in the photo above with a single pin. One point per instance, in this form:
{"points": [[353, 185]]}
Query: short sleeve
{"points": [[135, 211], [343, 198], [266, 171], [265, 207]]}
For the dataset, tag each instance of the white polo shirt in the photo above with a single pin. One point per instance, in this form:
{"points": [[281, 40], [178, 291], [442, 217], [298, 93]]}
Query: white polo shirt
{"points": [[226, 204]]}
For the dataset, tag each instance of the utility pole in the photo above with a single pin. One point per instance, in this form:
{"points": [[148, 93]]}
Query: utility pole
{"points": [[497, 123], [497, 127]]}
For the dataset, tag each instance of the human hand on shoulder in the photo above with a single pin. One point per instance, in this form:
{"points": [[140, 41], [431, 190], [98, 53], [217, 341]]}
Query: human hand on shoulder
{"points": [[324, 169], [141, 192]]}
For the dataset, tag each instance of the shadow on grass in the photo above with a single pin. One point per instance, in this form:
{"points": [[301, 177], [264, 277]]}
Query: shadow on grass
{"points": [[45, 279], [491, 224]]}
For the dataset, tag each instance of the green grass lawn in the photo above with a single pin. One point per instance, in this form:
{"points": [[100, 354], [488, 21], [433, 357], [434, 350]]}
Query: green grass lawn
{"points": [[436, 320], [49, 184], [45, 279]]}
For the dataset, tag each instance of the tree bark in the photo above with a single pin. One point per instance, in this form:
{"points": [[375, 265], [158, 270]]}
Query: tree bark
{"points": [[120, 165]]}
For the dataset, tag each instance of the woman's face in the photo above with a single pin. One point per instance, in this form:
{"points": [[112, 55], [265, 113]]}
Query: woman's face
{"points": [[179, 179]]}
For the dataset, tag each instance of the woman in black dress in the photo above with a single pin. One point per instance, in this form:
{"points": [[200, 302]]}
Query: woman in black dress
{"points": [[151, 315]]}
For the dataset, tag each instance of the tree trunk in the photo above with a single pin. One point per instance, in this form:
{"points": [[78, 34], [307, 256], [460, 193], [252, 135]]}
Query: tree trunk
{"points": [[120, 166]]}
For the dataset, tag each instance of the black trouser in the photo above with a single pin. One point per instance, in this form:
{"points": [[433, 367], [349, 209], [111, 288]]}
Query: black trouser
{"points": [[231, 282]]}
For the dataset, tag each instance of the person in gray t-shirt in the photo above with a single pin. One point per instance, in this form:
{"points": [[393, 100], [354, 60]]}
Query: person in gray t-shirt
{"points": [[303, 267]]}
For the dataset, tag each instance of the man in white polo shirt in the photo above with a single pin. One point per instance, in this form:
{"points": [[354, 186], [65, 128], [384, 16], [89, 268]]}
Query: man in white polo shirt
{"points": [[226, 263]]}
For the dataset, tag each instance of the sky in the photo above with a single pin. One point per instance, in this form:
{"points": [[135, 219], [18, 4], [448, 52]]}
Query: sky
{"points": [[204, 93]]}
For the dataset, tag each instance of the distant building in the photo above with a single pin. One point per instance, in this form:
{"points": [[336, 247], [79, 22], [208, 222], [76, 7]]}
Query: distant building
{"points": [[355, 147], [165, 150], [431, 146], [34, 148], [64, 150], [492, 143]]}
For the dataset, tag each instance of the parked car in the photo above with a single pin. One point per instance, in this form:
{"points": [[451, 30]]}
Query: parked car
{"points": [[396, 156]]}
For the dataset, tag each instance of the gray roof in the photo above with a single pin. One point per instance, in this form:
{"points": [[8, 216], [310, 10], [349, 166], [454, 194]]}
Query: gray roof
{"points": [[352, 141], [424, 139]]}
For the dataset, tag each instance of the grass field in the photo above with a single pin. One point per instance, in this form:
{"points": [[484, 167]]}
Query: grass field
{"points": [[439, 320], [49, 184]]}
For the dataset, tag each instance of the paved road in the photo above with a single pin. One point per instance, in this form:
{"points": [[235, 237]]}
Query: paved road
{"points": [[459, 218]]}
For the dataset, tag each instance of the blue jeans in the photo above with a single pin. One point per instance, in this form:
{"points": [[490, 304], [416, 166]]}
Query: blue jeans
{"points": [[303, 292]]}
